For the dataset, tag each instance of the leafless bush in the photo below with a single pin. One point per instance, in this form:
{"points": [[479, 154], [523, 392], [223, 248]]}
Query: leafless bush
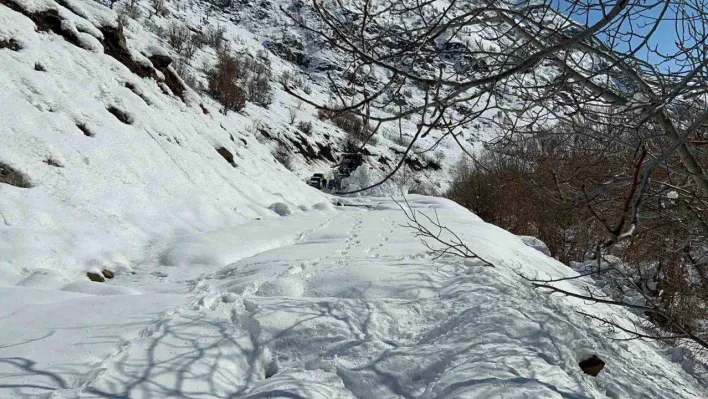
{"points": [[215, 36], [222, 83], [286, 78], [403, 141], [129, 10], [305, 127], [256, 78], [154, 27], [292, 116], [189, 78], [422, 188], [349, 122], [498, 190], [158, 8], [282, 155], [177, 36]]}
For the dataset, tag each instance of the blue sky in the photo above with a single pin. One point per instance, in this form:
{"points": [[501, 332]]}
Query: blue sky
{"points": [[664, 39]]}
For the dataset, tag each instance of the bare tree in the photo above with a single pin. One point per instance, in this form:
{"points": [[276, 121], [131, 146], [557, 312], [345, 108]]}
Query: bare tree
{"points": [[605, 121]]}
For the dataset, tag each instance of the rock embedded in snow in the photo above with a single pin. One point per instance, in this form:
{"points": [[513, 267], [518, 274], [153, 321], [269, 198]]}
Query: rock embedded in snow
{"points": [[97, 277], [281, 209], [161, 61], [228, 156], [592, 366], [536, 244], [13, 177], [10, 44], [107, 274]]}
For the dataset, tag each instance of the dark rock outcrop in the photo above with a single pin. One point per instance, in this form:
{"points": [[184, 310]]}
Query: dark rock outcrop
{"points": [[592, 366]]}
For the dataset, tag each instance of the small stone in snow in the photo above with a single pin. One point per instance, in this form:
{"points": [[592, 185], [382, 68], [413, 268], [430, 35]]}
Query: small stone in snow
{"points": [[97, 277]]}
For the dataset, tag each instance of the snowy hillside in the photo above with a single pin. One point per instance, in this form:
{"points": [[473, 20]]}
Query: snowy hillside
{"points": [[225, 274], [109, 160]]}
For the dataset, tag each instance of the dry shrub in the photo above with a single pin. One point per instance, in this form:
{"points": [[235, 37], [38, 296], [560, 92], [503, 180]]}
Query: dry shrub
{"points": [[256, 75], [282, 155], [222, 83], [565, 190], [305, 127], [499, 189], [348, 121]]}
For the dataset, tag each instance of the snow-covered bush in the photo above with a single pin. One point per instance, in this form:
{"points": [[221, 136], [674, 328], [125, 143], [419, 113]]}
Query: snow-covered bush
{"points": [[256, 75], [365, 176]]}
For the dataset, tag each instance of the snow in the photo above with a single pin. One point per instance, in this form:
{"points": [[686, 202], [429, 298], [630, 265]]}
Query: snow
{"points": [[339, 303], [240, 280], [104, 199]]}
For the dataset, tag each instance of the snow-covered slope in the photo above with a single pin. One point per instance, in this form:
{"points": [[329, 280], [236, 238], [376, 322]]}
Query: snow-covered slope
{"points": [[345, 304], [111, 160]]}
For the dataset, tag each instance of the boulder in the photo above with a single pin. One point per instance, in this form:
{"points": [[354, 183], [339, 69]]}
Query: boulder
{"points": [[592, 366], [107, 274], [161, 61], [228, 156]]}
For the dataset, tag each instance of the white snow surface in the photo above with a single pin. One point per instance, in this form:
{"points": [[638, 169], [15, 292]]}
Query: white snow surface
{"points": [[99, 201], [341, 303]]}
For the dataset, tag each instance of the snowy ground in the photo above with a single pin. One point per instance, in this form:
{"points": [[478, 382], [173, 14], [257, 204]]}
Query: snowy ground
{"points": [[333, 304]]}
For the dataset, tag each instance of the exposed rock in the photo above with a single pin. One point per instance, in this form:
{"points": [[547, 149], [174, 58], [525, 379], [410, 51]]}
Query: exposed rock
{"points": [[84, 129], [10, 44], [174, 82], [97, 277], [121, 115], [13, 177], [45, 21], [114, 44], [228, 156], [107, 274], [281, 209], [592, 366], [160, 61]]}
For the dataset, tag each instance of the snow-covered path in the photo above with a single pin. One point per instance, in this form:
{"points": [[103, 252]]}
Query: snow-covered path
{"points": [[338, 304]]}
